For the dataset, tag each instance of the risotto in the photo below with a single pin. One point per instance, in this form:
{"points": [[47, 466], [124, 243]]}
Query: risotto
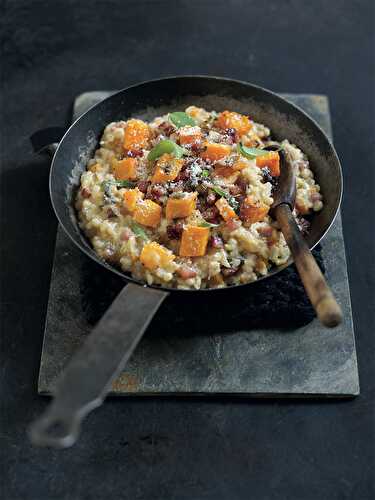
{"points": [[183, 201]]}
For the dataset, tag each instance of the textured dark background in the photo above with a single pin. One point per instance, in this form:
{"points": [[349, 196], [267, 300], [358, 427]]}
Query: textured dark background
{"points": [[181, 449]]}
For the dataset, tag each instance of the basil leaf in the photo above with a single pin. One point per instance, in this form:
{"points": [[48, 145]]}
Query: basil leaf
{"points": [[250, 153], [166, 147], [220, 191], [181, 119], [119, 184], [139, 232], [208, 224]]}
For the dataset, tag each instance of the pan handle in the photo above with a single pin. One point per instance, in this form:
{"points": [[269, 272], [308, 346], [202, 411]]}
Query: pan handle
{"points": [[88, 376], [46, 140]]}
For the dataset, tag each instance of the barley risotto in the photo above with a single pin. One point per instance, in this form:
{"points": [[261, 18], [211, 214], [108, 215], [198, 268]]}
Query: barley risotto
{"points": [[183, 201]]}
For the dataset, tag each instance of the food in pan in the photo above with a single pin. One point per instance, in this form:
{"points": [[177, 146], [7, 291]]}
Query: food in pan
{"points": [[184, 201]]}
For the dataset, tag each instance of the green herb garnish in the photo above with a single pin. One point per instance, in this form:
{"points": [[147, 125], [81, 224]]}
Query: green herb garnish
{"points": [[250, 153], [139, 232], [205, 173], [166, 147], [181, 119], [106, 185], [219, 191], [230, 199], [207, 224]]}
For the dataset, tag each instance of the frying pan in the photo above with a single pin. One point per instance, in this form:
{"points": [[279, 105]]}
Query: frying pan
{"points": [[88, 377]]}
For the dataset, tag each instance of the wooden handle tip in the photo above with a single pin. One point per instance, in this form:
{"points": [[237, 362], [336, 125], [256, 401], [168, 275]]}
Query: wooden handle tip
{"points": [[329, 312]]}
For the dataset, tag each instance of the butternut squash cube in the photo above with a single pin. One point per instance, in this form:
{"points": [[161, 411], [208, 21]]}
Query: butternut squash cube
{"points": [[270, 160], [181, 207], [189, 135], [223, 171], [131, 198], [137, 135], [229, 119], [239, 165], [252, 211], [154, 255], [226, 211], [215, 152], [167, 169], [194, 241], [148, 213], [125, 169]]}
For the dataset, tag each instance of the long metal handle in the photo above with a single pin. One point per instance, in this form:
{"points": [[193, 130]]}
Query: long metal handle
{"points": [[320, 295], [87, 378]]}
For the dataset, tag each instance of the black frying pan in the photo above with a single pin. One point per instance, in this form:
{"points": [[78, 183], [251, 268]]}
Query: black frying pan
{"points": [[88, 377]]}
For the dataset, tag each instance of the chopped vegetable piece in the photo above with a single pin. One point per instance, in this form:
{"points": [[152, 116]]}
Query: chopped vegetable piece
{"points": [[186, 272], [207, 224], [137, 135], [205, 174], [199, 114], [181, 119], [224, 171], [231, 200], [139, 232], [154, 255], [181, 207], [250, 153], [226, 211], [190, 135], [131, 198], [148, 213], [229, 119], [165, 147], [252, 211], [167, 169], [215, 152], [270, 160], [125, 169], [106, 185], [239, 165], [194, 241]]}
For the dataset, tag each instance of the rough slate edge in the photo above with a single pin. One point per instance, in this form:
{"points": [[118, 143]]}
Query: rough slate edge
{"points": [[269, 381]]}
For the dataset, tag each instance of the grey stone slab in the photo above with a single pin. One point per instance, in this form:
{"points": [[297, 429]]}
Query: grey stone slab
{"points": [[307, 361]]}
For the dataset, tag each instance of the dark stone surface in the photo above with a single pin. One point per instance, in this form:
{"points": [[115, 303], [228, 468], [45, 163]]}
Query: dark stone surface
{"points": [[167, 449], [260, 341]]}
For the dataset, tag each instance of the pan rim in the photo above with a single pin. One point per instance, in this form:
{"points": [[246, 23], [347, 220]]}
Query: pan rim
{"points": [[130, 279]]}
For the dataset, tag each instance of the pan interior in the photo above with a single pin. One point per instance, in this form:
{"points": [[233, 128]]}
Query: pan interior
{"points": [[156, 98]]}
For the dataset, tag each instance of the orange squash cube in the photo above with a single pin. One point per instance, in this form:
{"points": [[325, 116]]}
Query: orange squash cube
{"points": [[154, 255], [189, 135], [229, 119], [137, 135], [194, 241], [148, 213], [167, 169], [270, 160], [226, 211], [131, 198], [239, 165], [215, 152], [252, 211], [181, 207], [223, 171], [125, 169]]}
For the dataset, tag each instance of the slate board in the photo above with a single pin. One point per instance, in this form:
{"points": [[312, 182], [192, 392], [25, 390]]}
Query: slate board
{"points": [[203, 359]]}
